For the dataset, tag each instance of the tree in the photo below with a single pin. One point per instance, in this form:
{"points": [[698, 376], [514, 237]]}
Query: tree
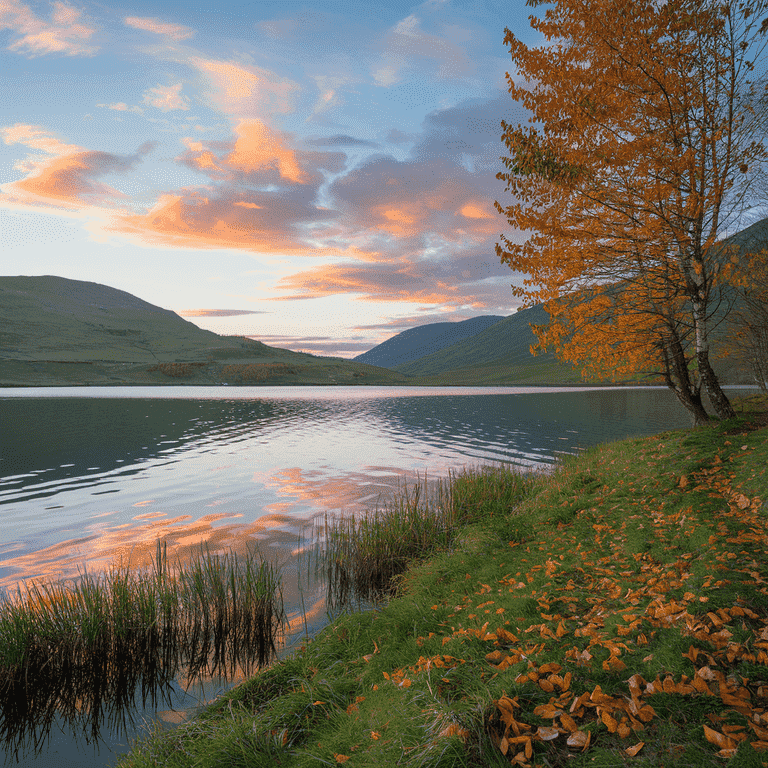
{"points": [[640, 151]]}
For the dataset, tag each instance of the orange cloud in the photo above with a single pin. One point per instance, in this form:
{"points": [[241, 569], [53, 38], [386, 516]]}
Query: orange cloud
{"points": [[247, 90], [408, 198], [477, 211], [174, 31], [382, 282], [258, 147], [63, 34], [259, 154], [69, 180], [229, 219]]}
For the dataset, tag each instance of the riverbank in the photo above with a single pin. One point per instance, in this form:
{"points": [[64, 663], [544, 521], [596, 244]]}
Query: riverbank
{"points": [[618, 614]]}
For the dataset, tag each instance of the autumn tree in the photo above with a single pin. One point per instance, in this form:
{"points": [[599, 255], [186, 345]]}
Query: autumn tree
{"points": [[642, 143]]}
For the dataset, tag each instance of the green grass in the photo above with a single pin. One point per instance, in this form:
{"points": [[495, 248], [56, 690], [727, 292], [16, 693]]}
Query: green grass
{"points": [[620, 602], [361, 558], [84, 649]]}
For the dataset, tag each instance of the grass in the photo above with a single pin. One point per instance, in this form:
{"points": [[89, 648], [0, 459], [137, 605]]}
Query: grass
{"points": [[83, 649], [362, 557], [612, 613]]}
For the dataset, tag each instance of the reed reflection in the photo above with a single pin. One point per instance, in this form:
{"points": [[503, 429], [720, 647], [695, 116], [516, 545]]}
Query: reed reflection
{"points": [[90, 650]]}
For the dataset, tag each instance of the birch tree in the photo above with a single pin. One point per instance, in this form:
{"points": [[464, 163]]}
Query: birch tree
{"points": [[638, 156]]}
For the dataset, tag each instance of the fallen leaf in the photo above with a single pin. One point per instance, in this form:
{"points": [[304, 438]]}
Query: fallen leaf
{"points": [[718, 739], [580, 739], [632, 751]]}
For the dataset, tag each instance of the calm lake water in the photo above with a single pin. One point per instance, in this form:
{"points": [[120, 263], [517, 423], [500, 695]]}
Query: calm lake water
{"points": [[91, 476]]}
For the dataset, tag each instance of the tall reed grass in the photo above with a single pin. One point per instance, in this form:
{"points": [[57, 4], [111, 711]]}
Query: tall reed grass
{"points": [[88, 648], [361, 557]]}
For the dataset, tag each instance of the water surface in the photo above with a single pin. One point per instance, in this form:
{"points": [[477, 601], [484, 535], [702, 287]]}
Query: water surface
{"points": [[90, 476]]}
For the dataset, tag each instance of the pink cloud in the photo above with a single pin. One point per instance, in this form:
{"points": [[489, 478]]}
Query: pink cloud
{"points": [[247, 90], [407, 198], [416, 281], [68, 180], [166, 98], [228, 218], [217, 312], [63, 34], [259, 154], [156, 26]]}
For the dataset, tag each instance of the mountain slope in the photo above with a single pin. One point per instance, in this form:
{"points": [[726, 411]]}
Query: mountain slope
{"points": [[424, 340], [54, 318], [56, 331], [506, 342]]}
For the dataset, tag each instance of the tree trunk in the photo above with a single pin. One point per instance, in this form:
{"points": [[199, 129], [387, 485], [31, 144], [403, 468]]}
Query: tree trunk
{"points": [[717, 397], [698, 293], [678, 379]]}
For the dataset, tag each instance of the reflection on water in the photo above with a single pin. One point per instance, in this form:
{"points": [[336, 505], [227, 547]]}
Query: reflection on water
{"points": [[92, 475]]}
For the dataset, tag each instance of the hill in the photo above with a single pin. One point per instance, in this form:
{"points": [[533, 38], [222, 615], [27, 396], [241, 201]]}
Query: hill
{"points": [[416, 343], [56, 331], [500, 354]]}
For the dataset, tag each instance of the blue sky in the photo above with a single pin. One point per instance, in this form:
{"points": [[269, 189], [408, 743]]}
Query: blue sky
{"points": [[317, 175]]}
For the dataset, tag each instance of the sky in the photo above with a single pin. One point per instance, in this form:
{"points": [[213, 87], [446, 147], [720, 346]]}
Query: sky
{"points": [[317, 174]]}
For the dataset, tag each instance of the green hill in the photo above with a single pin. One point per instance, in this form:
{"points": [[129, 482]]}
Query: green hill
{"points": [[415, 343], [498, 355], [56, 331]]}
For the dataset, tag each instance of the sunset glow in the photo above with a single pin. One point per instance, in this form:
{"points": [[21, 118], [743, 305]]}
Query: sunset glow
{"points": [[316, 176]]}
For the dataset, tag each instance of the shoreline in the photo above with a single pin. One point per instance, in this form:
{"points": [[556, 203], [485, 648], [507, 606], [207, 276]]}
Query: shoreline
{"points": [[614, 612]]}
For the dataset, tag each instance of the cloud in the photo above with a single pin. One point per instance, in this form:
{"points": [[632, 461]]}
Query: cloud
{"points": [[246, 90], [64, 34], [396, 136], [173, 31], [411, 197], [69, 179], [166, 98], [217, 312], [470, 281], [260, 155], [340, 140], [36, 137], [121, 106], [407, 45], [325, 346], [229, 217]]}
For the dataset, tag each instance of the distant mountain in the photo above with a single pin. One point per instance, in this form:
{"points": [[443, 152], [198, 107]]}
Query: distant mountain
{"points": [[416, 343], [505, 343], [56, 331], [501, 355]]}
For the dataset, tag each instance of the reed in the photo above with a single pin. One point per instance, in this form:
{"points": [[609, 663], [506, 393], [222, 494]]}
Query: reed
{"points": [[361, 557], [87, 648]]}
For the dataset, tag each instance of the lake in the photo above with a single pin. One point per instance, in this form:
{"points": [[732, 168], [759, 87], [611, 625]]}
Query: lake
{"points": [[93, 476]]}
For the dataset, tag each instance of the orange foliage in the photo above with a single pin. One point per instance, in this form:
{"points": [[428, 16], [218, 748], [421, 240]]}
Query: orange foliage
{"points": [[643, 133]]}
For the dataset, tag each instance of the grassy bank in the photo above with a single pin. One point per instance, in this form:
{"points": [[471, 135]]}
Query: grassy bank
{"points": [[613, 613]]}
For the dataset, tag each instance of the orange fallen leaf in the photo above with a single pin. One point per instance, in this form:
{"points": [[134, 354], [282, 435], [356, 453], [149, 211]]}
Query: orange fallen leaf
{"points": [[580, 739], [718, 739], [632, 751], [341, 758], [610, 722]]}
